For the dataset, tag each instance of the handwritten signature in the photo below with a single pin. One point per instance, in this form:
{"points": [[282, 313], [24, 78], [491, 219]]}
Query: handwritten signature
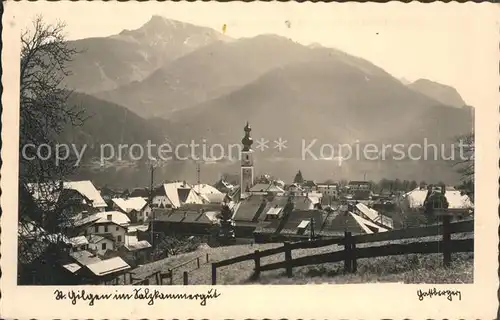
{"points": [[137, 294], [449, 294]]}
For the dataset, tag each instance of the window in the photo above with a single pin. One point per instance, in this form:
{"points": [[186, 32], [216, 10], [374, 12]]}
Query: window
{"points": [[117, 228], [105, 228], [103, 246], [119, 238], [96, 229]]}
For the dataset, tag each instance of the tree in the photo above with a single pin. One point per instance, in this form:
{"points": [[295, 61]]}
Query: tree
{"points": [[298, 178], [44, 114], [465, 164], [413, 184]]}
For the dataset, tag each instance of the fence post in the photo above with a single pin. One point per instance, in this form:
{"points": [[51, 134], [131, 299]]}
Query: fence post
{"points": [[171, 276], [288, 259], [198, 262], [347, 250], [207, 257], [158, 278], [214, 274], [185, 278], [446, 241], [256, 259], [354, 262]]}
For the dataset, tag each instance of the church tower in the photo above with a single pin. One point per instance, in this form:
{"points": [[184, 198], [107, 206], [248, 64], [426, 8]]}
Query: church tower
{"points": [[246, 161]]}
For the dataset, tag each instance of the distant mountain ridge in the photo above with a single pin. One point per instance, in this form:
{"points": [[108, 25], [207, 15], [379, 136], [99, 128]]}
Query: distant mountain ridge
{"points": [[219, 69], [109, 62], [445, 94]]}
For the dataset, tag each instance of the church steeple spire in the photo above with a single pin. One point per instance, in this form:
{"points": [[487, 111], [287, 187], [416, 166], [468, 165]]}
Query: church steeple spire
{"points": [[247, 141]]}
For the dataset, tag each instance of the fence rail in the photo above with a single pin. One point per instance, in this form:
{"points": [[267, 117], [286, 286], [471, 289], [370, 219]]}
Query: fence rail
{"points": [[350, 253]]}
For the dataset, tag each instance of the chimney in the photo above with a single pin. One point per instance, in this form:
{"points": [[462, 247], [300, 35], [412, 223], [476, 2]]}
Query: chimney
{"points": [[109, 217]]}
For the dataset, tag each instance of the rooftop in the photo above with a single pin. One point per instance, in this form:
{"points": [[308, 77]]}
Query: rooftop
{"points": [[104, 267], [129, 204], [115, 217], [84, 257]]}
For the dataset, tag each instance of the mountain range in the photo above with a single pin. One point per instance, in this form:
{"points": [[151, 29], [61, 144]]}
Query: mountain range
{"points": [[180, 82]]}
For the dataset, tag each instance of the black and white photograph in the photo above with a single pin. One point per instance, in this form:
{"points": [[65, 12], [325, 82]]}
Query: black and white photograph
{"points": [[215, 144]]}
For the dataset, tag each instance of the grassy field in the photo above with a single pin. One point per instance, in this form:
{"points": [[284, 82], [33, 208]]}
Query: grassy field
{"points": [[413, 268]]}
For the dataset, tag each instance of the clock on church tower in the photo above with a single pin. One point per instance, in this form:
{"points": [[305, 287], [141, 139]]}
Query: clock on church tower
{"points": [[246, 161]]}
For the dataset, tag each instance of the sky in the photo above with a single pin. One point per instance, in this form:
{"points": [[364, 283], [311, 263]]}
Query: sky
{"points": [[454, 44]]}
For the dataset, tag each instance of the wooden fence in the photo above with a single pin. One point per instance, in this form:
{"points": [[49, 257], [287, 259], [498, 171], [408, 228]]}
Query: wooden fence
{"points": [[159, 276], [350, 254]]}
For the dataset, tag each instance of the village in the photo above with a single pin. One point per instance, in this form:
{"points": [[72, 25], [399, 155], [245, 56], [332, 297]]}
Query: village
{"points": [[107, 234]]}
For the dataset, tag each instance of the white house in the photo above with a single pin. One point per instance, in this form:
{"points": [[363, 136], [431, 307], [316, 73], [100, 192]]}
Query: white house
{"points": [[328, 190], [209, 193], [112, 224], [136, 208], [100, 244], [174, 195]]}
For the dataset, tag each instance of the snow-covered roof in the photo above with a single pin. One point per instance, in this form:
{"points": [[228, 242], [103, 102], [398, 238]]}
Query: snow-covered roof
{"points": [[72, 267], [274, 211], [303, 224], [78, 241], [95, 238], [206, 189], [88, 190], [129, 204], [172, 193], [142, 227], [115, 217], [370, 213], [50, 191], [364, 224], [108, 266], [138, 245]]}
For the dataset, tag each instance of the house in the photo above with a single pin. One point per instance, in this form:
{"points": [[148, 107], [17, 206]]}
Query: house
{"points": [[136, 208], [329, 190], [79, 243], [175, 194], [294, 188], [136, 252], [112, 224], [458, 203], [309, 186], [209, 193], [184, 222], [265, 188], [359, 186], [100, 244], [295, 225], [103, 271], [337, 223]]}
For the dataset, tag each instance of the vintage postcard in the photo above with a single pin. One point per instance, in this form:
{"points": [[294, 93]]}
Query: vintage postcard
{"points": [[249, 160]]}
